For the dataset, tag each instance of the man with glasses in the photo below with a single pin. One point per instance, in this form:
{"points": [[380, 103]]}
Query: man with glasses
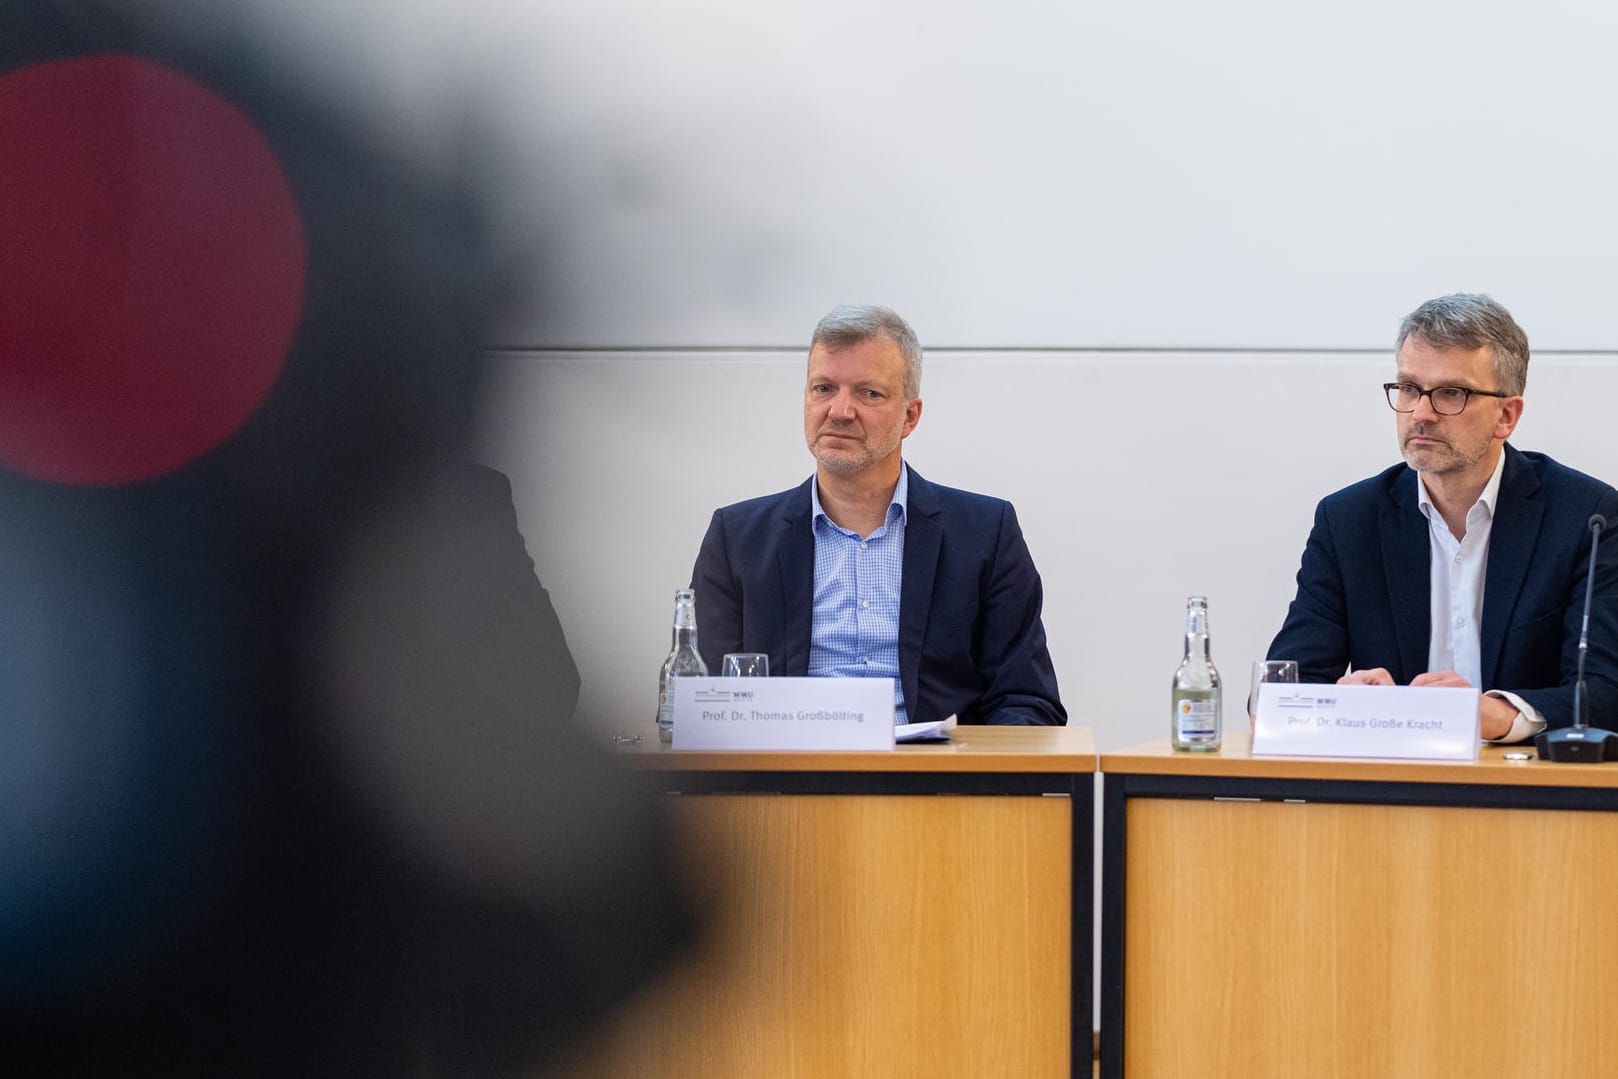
{"points": [[1466, 565]]}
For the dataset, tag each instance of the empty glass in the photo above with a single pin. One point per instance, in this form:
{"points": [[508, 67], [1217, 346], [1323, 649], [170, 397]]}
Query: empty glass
{"points": [[1269, 670], [757, 665]]}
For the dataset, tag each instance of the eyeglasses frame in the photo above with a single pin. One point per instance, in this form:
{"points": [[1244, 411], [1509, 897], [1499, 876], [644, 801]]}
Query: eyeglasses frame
{"points": [[1389, 387]]}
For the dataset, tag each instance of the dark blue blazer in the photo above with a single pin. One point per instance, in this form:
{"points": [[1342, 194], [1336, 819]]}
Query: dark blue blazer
{"points": [[1365, 584], [970, 637]]}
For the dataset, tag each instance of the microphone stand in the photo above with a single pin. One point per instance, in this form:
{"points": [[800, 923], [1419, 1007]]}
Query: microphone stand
{"points": [[1581, 743]]}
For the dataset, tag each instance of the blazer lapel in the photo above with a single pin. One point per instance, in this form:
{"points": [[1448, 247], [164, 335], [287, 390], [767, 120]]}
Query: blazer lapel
{"points": [[1407, 561], [1518, 514], [795, 557], [924, 534]]}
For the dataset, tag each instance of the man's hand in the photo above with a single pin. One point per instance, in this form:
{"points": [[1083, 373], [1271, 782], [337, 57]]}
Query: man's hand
{"points": [[1441, 678], [1495, 714]]}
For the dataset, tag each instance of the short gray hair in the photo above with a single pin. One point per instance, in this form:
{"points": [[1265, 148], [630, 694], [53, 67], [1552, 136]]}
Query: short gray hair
{"points": [[1472, 320], [854, 324]]}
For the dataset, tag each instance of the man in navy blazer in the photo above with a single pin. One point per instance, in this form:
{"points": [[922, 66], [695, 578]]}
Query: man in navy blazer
{"points": [[866, 568], [1467, 564]]}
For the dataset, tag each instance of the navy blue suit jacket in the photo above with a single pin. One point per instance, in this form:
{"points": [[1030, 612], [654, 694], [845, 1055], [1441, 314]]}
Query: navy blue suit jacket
{"points": [[970, 638], [1364, 587]]}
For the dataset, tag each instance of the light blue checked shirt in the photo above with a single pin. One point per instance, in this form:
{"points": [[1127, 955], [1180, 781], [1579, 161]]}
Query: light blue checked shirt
{"points": [[855, 630]]}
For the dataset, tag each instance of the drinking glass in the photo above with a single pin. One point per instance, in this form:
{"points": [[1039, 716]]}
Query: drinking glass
{"points": [[1269, 670], [757, 665]]}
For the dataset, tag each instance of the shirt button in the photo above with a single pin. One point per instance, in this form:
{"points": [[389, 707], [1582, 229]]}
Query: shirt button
{"points": [[864, 545], [1457, 559], [865, 604], [865, 661], [1460, 620]]}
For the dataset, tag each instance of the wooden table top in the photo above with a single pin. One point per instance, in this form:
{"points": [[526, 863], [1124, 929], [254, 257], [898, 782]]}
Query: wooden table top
{"points": [[970, 749], [1235, 758]]}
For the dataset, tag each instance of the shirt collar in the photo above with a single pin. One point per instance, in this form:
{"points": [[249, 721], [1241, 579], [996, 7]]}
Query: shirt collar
{"points": [[901, 497], [1491, 492]]}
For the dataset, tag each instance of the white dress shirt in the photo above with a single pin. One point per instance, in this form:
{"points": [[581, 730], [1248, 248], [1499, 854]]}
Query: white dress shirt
{"points": [[1457, 575]]}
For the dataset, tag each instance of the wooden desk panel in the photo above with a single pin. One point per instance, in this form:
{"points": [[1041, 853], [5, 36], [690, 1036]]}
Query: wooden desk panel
{"points": [[1353, 933], [878, 934]]}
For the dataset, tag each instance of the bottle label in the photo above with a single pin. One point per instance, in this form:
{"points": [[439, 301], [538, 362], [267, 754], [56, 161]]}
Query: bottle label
{"points": [[1196, 717]]}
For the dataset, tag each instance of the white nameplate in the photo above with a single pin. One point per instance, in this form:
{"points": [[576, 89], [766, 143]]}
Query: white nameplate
{"points": [[1430, 723], [783, 713]]}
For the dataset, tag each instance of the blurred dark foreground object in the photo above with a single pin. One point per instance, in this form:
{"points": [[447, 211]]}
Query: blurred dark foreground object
{"points": [[288, 782]]}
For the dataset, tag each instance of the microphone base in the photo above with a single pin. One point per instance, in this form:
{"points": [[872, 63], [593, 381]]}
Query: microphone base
{"points": [[1577, 745]]}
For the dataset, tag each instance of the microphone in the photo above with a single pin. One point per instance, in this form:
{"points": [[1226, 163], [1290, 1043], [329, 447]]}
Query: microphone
{"points": [[1581, 743]]}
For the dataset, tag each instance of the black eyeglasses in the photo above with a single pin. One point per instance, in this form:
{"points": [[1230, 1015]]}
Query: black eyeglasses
{"points": [[1446, 400]]}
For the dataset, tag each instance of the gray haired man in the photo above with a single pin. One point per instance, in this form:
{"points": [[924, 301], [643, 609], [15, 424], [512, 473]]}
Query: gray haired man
{"points": [[1466, 564], [868, 570]]}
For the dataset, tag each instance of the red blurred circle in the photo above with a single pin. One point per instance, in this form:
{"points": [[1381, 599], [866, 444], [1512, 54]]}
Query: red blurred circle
{"points": [[151, 269]]}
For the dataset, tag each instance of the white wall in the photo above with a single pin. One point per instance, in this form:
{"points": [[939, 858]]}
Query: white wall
{"points": [[1139, 478], [1076, 173], [1253, 173]]}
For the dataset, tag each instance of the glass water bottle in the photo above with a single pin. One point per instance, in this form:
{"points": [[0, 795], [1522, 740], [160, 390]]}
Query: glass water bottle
{"points": [[684, 661], [1196, 719]]}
